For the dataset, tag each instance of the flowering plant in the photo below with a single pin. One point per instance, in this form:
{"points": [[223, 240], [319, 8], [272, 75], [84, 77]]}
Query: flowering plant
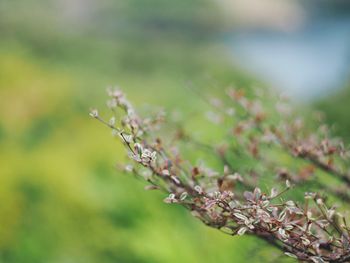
{"points": [[256, 147]]}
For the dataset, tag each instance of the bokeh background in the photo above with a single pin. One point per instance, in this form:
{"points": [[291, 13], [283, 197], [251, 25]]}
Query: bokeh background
{"points": [[61, 198]]}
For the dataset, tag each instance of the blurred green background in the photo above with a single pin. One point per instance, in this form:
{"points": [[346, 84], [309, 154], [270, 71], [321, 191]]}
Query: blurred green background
{"points": [[62, 200]]}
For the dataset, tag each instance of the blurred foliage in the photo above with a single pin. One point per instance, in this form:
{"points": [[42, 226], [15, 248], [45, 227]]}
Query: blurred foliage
{"points": [[336, 107], [61, 198]]}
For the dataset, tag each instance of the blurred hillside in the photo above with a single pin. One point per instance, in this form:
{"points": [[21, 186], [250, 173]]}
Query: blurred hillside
{"points": [[62, 200]]}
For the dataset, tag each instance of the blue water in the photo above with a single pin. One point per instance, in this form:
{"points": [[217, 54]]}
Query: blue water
{"points": [[307, 63]]}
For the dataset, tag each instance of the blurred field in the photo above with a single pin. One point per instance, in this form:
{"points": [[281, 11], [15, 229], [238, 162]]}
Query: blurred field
{"points": [[62, 200]]}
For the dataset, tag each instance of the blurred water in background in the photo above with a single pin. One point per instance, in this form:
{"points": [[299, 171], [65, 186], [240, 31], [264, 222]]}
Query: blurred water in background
{"points": [[62, 200], [307, 61]]}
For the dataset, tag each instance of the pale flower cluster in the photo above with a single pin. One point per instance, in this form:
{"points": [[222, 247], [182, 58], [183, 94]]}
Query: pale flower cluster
{"points": [[309, 230]]}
